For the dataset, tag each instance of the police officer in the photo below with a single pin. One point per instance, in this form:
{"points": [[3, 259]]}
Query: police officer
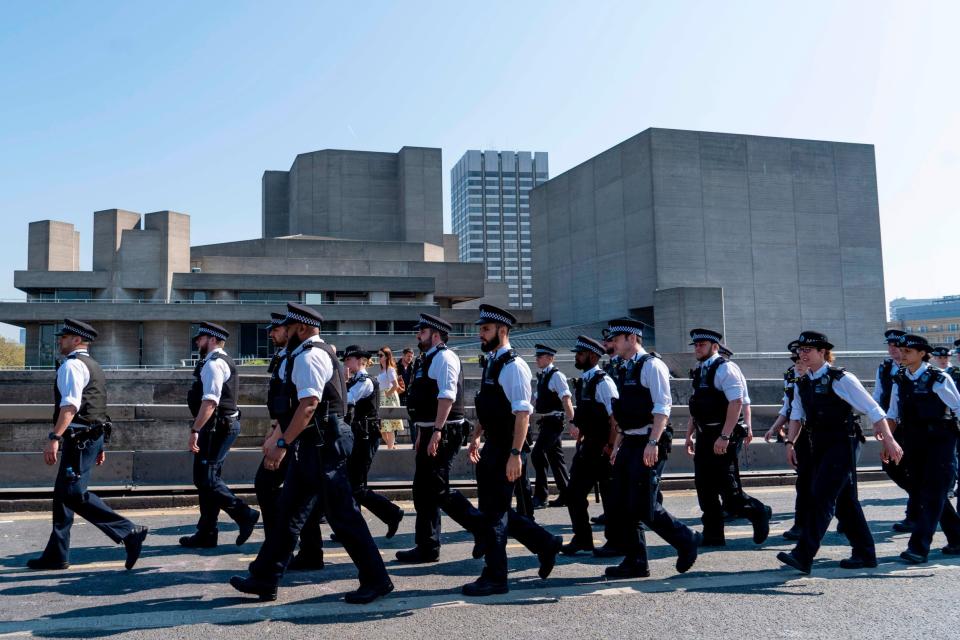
{"points": [[320, 442], [268, 481], [80, 426], [595, 433], [641, 415], [926, 402], [802, 445], [552, 400], [503, 417], [435, 406], [363, 407], [212, 400], [941, 358], [714, 435], [826, 398], [883, 386]]}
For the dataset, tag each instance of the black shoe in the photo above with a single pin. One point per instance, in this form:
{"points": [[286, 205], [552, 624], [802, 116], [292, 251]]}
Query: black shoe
{"points": [[858, 562], [418, 556], [686, 558], [539, 503], [791, 560], [572, 547], [393, 526], [627, 570], [265, 591], [951, 550], [793, 533], [912, 557], [599, 520], [198, 541], [366, 594], [306, 561], [333, 537], [42, 564], [548, 558], [483, 587], [133, 543], [761, 526], [246, 524], [558, 502], [713, 540], [904, 526], [607, 551]]}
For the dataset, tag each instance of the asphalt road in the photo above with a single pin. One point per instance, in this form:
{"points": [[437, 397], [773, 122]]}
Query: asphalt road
{"points": [[737, 592]]}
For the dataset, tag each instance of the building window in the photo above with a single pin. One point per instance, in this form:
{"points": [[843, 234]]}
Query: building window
{"points": [[199, 296], [47, 346], [254, 341], [268, 296]]}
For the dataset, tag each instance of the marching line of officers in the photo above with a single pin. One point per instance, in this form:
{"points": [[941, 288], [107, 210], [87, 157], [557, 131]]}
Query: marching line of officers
{"points": [[325, 434]]}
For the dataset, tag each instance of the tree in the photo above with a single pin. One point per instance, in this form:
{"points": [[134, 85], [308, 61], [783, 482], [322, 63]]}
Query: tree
{"points": [[11, 353]]}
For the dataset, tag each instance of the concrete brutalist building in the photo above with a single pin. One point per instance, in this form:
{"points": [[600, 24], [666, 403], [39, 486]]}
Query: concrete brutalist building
{"points": [[358, 235], [757, 237]]}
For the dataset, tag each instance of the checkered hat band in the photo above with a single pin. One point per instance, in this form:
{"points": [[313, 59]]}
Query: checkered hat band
{"points": [[434, 325], [589, 347], [296, 317], [703, 336], [623, 329], [203, 331], [77, 331], [495, 317]]}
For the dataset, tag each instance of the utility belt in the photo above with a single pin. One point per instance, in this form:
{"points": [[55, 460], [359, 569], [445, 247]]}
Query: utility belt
{"points": [[222, 421], [82, 435], [552, 419], [453, 430], [322, 430], [821, 434], [366, 428], [713, 430], [642, 436], [929, 426]]}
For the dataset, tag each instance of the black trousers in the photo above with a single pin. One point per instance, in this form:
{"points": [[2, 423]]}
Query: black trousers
{"points": [[70, 496], [319, 474], [267, 485], [804, 478], [589, 467], [932, 469], [358, 469], [548, 450], [833, 490], [213, 494], [431, 492], [523, 491], [494, 496], [718, 477], [899, 473], [636, 492]]}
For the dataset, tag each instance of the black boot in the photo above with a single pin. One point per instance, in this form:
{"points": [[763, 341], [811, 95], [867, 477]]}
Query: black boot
{"points": [[133, 543], [199, 541], [246, 523], [366, 594], [265, 591], [418, 555]]}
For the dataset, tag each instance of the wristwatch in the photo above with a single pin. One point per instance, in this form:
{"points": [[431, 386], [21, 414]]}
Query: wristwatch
{"points": [[653, 442], [54, 436], [281, 443], [724, 438], [514, 452], [790, 442]]}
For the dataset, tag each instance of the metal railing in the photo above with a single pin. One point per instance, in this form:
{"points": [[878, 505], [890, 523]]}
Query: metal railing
{"points": [[374, 303]]}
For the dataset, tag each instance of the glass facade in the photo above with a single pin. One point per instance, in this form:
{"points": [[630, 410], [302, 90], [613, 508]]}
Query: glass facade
{"points": [[490, 211]]}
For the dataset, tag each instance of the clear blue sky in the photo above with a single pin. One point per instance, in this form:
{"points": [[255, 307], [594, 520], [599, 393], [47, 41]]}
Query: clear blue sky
{"points": [[183, 105]]}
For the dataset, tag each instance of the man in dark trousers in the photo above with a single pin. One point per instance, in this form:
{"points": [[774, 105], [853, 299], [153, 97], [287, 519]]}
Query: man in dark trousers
{"points": [[315, 434], [883, 386], [503, 417], [267, 482], [212, 400], [435, 405], [80, 425], [405, 372], [553, 401]]}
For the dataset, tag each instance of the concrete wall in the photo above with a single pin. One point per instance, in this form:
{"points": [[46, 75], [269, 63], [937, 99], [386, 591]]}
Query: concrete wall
{"points": [[679, 310], [276, 204], [421, 194], [53, 246], [789, 229]]}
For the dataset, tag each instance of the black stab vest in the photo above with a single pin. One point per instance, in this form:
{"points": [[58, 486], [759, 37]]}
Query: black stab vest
{"points": [[886, 373], [93, 399], [953, 372], [708, 405], [918, 402], [590, 415], [275, 385], [494, 410], [333, 398], [368, 407], [789, 379], [826, 412], [423, 390], [228, 393], [634, 408], [547, 400]]}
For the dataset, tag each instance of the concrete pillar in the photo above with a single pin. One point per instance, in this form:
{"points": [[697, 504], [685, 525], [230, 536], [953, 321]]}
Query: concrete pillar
{"points": [[174, 231], [53, 246]]}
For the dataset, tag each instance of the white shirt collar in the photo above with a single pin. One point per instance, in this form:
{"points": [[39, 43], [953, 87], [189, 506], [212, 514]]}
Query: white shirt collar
{"points": [[300, 346], [639, 354], [589, 373], [813, 375], [913, 376], [706, 363], [547, 368], [76, 351], [432, 349]]}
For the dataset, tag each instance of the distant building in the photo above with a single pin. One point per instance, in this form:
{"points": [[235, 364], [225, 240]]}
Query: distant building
{"points": [[936, 319], [490, 211]]}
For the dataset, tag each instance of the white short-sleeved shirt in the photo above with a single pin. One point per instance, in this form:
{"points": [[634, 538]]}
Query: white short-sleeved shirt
{"points": [[655, 376], [387, 379], [445, 369], [72, 377], [214, 373], [558, 383], [514, 378], [360, 390], [728, 379], [312, 369], [946, 390], [606, 390], [877, 386], [849, 389]]}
